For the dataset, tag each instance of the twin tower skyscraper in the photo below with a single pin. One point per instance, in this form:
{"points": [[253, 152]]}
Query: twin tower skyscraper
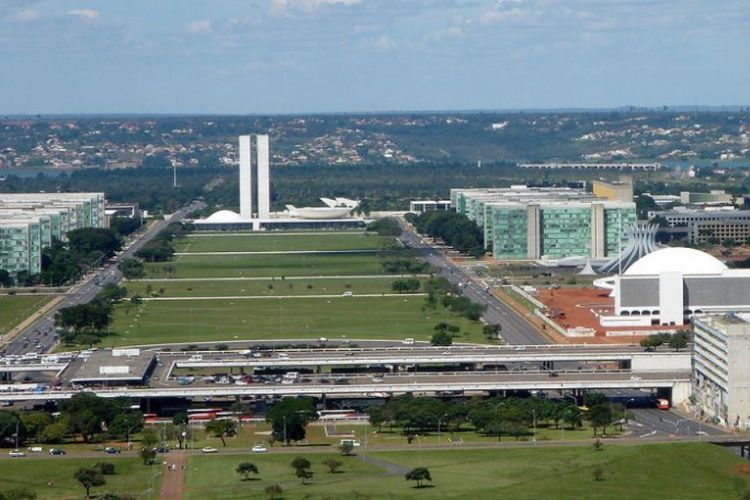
{"points": [[260, 183]]}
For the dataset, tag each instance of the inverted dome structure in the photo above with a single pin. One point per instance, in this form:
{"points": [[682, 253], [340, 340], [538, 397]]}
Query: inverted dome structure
{"points": [[224, 217], [687, 261]]}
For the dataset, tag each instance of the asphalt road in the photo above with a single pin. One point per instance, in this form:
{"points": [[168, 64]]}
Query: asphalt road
{"points": [[43, 329], [515, 328], [650, 422]]}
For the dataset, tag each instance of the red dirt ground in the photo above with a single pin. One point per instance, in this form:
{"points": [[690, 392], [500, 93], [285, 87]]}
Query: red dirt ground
{"points": [[571, 307]]}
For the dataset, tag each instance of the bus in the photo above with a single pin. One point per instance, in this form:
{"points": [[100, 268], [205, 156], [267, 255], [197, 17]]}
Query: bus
{"points": [[336, 414]]}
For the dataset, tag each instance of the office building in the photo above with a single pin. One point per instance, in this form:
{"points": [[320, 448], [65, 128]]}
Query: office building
{"points": [[721, 369], [620, 190], [706, 225], [422, 206], [714, 197], [523, 222], [261, 180], [31, 221]]}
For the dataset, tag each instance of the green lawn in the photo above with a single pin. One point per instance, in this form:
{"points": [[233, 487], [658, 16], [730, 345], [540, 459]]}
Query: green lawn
{"points": [[132, 477], [215, 477], [16, 308], [280, 242], [251, 319], [265, 287], [685, 471], [209, 266]]}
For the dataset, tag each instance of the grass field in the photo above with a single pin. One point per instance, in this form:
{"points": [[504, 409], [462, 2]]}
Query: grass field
{"points": [[282, 242], [16, 308], [685, 471], [265, 287], [132, 477], [215, 320], [213, 266]]}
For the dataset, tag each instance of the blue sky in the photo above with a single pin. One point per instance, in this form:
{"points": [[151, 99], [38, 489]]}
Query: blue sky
{"points": [[289, 56]]}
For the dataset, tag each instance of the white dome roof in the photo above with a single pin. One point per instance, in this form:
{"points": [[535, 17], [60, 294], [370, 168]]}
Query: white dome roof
{"points": [[684, 260], [224, 217]]}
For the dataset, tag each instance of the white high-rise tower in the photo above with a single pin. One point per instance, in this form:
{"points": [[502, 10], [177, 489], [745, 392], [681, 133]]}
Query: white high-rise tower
{"points": [[262, 177]]}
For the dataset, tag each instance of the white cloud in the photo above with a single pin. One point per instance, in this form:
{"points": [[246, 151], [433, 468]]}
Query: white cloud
{"points": [[24, 16], [384, 42], [282, 7], [453, 32], [503, 16], [200, 27], [88, 14]]}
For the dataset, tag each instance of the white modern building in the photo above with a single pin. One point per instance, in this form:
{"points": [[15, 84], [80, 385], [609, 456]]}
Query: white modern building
{"points": [[255, 200], [670, 285], [721, 369]]}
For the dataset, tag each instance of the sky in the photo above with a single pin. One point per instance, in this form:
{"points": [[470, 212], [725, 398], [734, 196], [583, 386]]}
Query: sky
{"points": [[307, 56]]}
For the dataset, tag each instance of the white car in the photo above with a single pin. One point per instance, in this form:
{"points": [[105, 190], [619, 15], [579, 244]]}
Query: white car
{"points": [[259, 448], [16, 454], [208, 449]]}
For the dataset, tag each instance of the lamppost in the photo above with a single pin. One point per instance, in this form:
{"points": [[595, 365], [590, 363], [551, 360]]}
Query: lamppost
{"points": [[533, 413]]}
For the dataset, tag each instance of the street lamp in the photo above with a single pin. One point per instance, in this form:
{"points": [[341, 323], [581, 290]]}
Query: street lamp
{"points": [[440, 421], [533, 413]]}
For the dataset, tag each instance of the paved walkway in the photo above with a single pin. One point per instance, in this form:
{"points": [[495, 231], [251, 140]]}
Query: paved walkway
{"points": [[272, 233], [173, 481], [272, 297], [287, 278]]}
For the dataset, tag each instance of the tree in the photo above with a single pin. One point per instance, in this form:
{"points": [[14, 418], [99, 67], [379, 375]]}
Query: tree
{"points": [[406, 285], [105, 468], [180, 420], [126, 424], [491, 331], [573, 417], [441, 338], [91, 239], [333, 465], [6, 279], [148, 455], [246, 468], [54, 433], [679, 340], [89, 478], [9, 423], [301, 468], [222, 429], [112, 293], [17, 494], [419, 475], [346, 448], [289, 417], [35, 422], [87, 339], [598, 473], [274, 491], [149, 439], [131, 268], [600, 416]]}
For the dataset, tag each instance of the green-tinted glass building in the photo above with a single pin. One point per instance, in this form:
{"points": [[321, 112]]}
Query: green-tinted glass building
{"points": [[546, 223], [29, 222]]}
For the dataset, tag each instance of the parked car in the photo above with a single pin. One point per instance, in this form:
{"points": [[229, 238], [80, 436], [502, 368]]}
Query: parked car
{"points": [[56, 451], [209, 449], [259, 448], [16, 454]]}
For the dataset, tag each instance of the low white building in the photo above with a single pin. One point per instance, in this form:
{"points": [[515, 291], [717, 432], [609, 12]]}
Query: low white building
{"points": [[669, 286]]}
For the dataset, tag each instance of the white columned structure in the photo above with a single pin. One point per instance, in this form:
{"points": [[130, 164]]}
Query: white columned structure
{"points": [[264, 187], [246, 178]]}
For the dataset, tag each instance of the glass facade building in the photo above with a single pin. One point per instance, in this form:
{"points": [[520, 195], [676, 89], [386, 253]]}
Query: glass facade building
{"points": [[537, 223], [29, 222]]}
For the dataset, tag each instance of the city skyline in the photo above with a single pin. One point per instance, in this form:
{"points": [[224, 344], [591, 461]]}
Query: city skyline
{"points": [[308, 56]]}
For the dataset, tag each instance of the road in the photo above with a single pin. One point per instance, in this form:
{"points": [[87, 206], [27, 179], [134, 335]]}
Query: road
{"points": [[650, 422], [516, 329], [42, 330]]}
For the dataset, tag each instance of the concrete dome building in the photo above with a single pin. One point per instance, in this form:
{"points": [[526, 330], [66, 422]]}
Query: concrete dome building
{"points": [[688, 261], [669, 286], [224, 217]]}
